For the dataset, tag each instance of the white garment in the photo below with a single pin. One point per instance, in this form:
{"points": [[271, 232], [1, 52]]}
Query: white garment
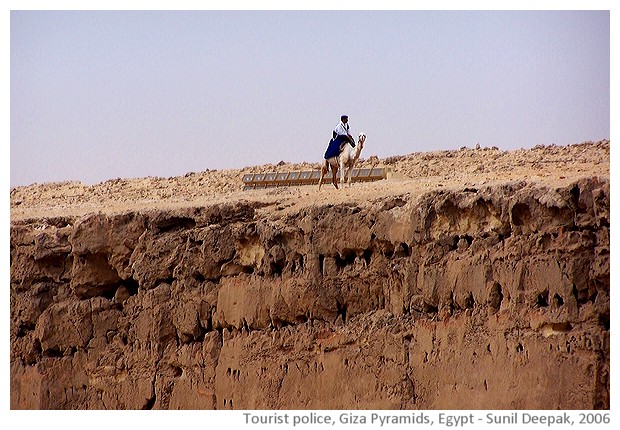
{"points": [[342, 129]]}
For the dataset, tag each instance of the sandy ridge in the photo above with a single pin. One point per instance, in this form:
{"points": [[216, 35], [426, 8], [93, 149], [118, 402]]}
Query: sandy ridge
{"points": [[423, 171]]}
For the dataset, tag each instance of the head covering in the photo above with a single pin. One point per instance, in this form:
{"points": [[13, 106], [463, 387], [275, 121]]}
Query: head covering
{"points": [[344, 117]]}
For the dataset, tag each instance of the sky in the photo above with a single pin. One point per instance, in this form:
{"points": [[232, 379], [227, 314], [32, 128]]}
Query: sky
{"points": [[98, 95]]}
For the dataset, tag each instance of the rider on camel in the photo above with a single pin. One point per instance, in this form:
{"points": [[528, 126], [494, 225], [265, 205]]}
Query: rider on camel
{"points": [[340, 137]]}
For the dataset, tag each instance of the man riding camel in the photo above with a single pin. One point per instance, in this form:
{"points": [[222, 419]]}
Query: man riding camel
{"points": [[340, 137]]}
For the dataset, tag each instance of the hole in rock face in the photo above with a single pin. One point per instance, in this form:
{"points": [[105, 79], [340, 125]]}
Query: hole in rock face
{"points": [[430, 308], [574, 193], [24, 328], [402, 250], [565, 326], [177, 371], [276, 267], [341, 310], [95, 276], [521, 214], [495, 296], [149, 403], [559, 301], [603, 320], [367, 256], [107, 291], [469, 301], [468, 239], [132, 286], [542, 299], [519, 347], [52, 352], [347, 259], [173, 224]]}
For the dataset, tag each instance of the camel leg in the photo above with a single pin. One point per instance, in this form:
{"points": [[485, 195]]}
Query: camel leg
{"points": [[345, 177], [324, 168], [335, 176], [348, 175]]}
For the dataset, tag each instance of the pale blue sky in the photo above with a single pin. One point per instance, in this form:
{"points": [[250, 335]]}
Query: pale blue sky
{"points": [[97, 95]]}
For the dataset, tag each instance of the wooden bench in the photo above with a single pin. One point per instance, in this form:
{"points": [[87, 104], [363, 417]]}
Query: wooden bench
{"points": [[252, 181]]}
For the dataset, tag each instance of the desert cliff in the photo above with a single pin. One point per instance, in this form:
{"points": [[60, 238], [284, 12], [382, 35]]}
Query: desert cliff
{"points": [[480, 280]]}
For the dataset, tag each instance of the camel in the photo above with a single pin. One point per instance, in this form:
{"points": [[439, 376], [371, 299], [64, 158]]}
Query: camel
{"points": [[345, 160]]}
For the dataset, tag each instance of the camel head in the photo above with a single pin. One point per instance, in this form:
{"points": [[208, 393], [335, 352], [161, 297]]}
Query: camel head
{"points": [[361, 138]]}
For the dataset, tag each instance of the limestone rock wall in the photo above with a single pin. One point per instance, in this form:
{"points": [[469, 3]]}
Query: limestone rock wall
{"points": [[479, 298]]}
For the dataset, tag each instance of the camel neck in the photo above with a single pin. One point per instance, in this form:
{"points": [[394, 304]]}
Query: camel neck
{"points": [[358, 149]]}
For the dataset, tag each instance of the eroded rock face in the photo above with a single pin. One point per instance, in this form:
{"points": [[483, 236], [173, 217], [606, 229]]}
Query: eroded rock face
{"points": [[479, 298]]}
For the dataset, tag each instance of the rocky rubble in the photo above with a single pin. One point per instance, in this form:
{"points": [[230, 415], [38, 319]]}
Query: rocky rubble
{"points": [[486, 295]]}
